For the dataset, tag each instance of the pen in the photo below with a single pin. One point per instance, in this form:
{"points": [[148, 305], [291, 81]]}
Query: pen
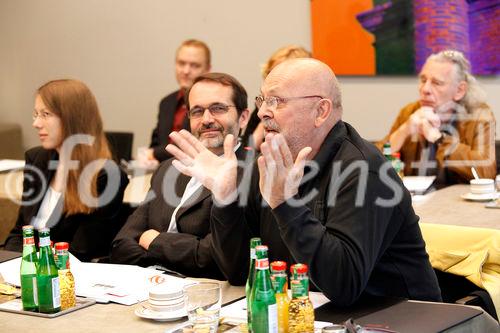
{"points": [[168, 271]]}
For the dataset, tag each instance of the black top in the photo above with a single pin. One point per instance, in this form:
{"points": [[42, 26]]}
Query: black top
{"points": [[253, 122], [89, 235], [189, 250], [350, 248], [166, 114]]}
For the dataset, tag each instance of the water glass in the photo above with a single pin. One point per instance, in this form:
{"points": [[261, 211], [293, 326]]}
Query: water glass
{"points": [[203, 302]]}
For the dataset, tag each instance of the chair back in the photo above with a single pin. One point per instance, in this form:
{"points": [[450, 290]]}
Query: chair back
{"points": [[120, 144]]}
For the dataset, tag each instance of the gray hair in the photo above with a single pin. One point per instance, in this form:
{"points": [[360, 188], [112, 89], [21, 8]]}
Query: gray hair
{"points": [[474, 96]]}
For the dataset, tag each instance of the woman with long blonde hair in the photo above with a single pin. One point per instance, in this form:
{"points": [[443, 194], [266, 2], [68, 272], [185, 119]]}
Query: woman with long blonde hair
{"points": [[70, 183]]}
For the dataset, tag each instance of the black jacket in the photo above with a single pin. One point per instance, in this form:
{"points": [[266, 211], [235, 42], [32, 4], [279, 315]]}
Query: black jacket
{"points": [[159, 137], [349, 249], [189, 250], [89, 235]]}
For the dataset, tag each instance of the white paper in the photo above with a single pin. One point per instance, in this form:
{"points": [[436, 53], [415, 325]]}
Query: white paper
{"points": [[6, 165], [124, 284], [10, 271], [239, 309]]}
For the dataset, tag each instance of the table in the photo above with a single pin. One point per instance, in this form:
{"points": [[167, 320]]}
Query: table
{"points": [[121, 318], [462, 237], [137, 188], [99, 318], [446, 207]]}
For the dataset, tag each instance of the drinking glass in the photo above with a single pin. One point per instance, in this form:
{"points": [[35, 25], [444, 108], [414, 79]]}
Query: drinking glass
{"points": [[203, 302]]}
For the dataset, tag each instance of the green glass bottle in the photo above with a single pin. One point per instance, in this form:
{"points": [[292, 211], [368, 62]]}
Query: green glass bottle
{"points": [[300, 310], [387, 151], [29, 262], [263, 308], [49, 297], [254, 242]]}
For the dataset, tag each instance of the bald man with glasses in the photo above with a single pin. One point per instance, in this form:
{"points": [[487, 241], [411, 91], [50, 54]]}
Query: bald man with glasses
{"points": [[172, 227], [320, 195]]}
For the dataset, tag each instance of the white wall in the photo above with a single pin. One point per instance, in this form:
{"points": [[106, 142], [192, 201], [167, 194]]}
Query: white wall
{"points": [[124, 50]]}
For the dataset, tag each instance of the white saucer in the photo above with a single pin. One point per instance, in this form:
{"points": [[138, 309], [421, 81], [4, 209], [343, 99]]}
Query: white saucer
{"points": [[145, 312], [480, 197]]}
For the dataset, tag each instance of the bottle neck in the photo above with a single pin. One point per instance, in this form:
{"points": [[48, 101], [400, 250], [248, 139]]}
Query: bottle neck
{"points": [[28, 244], [279, 281], [300, 286], [29, 240], [62, 259], [44, 241], [262, 264], [253, 256]]}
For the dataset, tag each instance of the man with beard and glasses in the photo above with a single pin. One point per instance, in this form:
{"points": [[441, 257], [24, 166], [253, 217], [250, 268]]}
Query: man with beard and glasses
{"points": [[450, 128], [172, 227], [321, 195]]}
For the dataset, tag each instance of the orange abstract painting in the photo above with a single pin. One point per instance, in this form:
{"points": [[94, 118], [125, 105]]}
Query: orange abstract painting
{"points": [[339, 39]]}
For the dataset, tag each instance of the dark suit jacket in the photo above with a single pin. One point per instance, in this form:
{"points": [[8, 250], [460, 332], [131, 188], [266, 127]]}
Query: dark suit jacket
{"points": [[159, 137], [189, 250], [89, 235]]}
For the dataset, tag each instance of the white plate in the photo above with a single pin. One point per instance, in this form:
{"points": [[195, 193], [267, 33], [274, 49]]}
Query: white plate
{"points": [[480, 197], [145, 312]]}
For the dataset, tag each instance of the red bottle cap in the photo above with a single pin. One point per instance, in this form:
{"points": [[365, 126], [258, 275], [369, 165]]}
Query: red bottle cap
{"points": [[398, 154], [278, 266], [62, 246], [300, 268]]}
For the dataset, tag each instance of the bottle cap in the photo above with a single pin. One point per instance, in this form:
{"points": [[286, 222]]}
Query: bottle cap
{"points": [[278, 266], [27, 227], [62, 246], [299, 268], [398, 154], [255, 241]]}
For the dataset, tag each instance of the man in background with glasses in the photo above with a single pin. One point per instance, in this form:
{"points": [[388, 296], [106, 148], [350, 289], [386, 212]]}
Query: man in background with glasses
{"points": [[321, 195], [172, 227], [450, 128]]}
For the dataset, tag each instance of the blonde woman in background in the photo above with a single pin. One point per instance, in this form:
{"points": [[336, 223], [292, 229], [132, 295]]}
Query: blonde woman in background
{"points": [[254, 132]]}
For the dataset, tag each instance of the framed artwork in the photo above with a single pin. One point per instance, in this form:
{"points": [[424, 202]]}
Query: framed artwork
{"points": [[384, 37]]}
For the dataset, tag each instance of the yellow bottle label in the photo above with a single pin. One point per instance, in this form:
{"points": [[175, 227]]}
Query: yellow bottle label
{"points": [[67, 283]]}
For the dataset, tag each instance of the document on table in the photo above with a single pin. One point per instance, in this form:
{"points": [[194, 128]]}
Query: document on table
{"points": [[418, 184], [6, 165], [239, 309], [124, 284]]}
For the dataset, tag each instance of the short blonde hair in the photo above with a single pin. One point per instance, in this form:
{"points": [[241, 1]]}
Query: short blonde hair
{"points": [[199, 44], [282, 54]]}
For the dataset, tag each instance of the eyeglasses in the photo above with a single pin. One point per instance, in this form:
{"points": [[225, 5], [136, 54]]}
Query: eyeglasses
{"points": [[216, 109], [43, 115], [273, 102]]}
